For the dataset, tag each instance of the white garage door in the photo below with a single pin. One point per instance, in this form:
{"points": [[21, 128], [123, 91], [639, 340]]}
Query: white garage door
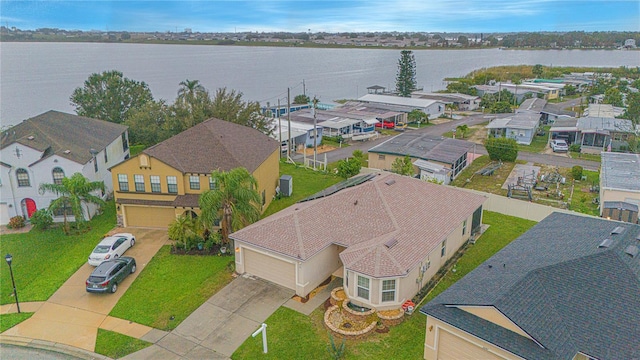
{"points": [[270, 268], [148, 216], [451, 347]]}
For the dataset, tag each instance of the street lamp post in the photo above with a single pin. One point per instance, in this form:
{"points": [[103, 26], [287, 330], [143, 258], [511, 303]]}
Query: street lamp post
{"points": [[9, 258]]}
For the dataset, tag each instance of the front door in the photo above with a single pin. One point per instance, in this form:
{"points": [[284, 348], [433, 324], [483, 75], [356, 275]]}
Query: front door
{"points": [[28, 207]]}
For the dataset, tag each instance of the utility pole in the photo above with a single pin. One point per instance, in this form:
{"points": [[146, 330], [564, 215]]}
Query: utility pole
{"points": [[289, 122], [315, 131], [280, 129], [304, 89]]}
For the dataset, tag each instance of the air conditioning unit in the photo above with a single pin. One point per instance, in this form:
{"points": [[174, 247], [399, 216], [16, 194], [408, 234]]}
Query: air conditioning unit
{"points": [[286, 185]]}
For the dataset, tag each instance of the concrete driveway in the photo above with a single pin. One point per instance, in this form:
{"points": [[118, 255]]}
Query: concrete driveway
{"points": [[220, 325], [72, 316]]}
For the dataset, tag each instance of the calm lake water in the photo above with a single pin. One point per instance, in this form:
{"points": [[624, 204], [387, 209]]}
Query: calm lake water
{"points": [[37, 77]]}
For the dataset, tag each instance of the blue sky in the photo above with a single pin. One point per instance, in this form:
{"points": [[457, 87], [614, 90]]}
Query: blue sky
{"points": [[326, 15]]}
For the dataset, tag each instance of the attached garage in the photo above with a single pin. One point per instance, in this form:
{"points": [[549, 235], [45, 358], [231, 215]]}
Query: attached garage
{"points": [[452, 347], [269, 268], [148, 216]]}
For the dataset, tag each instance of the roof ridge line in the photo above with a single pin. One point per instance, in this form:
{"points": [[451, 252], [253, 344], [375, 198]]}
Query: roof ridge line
{"points": [[386, 205], [299, 236]]}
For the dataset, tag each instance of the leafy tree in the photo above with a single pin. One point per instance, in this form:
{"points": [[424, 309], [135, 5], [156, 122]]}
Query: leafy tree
{"points": [[152, 123], [613, 96], [504, 149], [461, 87], [537, 70], [301, 99], [349, 167], [125, 36], [229, 106], [570, 90], [74, 192], [633, 108], [500, 107], [110, 96], [406, 76], [463, 40], [234, 201], [358, 154], [463, 129], [417, 116], [402, 166]]}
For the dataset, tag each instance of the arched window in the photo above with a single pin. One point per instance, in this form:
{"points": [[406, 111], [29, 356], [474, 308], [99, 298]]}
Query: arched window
{"points": [[23, 178], [58, 175]]}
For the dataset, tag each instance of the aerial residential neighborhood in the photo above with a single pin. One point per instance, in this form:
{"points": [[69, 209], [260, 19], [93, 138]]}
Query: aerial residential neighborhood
{"points": [[217, 180]]}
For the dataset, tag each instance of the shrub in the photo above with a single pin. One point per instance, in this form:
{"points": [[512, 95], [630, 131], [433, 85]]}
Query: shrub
{"points": [[349, 167], [42, 219], [504, 149], [576, 172], [336, 350], [16, 222], [574, 148]]}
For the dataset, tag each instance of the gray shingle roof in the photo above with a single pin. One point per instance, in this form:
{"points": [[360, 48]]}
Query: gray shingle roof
{"points": [[57, 132], [424, 146], [418, 214], [560, 287], [620, 171], [215, 145]]}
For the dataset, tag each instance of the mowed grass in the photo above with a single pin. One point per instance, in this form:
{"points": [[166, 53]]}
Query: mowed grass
{"points": [[538, 144], [171, 287], [44, 260], [492, 184], [582, 199], [292, 335], [305, 182], [7, 321], [116, 345]]}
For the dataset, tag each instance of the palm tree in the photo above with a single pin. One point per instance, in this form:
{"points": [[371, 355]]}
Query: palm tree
{"points": [[234, 202], [74, 192], [189, 90]]}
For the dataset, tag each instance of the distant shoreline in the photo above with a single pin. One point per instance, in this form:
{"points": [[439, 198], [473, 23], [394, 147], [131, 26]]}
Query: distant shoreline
{"points": [[310, 45]]}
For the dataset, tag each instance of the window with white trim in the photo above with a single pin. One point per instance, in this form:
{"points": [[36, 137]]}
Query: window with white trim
{"points": [[363, 287], [194, 182], [23, 178], [123, 182], [139, 182], [212, 183], [58, 175], [388, 290], [172, 184], [443, 251], [155, 183], [464, 227]]}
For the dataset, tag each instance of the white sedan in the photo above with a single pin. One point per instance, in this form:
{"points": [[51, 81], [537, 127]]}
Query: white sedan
{"points": [[111, 247]]}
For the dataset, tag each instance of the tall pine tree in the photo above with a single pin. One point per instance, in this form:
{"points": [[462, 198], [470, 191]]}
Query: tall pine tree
{"points": [[406, 77]]}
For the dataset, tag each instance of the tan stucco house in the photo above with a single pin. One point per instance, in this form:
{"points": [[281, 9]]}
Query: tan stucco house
{"points": [[553, 293], [166, 180], [386, 237]]}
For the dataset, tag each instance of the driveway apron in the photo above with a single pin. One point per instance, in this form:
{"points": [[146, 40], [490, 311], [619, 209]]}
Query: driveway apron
{"points": [[72, 316], [220, 325]]}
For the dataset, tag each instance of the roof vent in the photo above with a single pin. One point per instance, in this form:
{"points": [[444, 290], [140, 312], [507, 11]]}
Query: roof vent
{"points": [[632, 250], [618, 230], [605, 243], [390, 182], [391, 243], [30, 137], [67, 151]]}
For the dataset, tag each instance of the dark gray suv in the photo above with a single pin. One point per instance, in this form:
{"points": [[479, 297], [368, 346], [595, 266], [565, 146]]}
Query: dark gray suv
{"points": [[109, 274]]}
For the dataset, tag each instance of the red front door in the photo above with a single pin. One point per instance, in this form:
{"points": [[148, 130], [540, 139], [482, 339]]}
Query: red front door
{"points": [[31, 207]]}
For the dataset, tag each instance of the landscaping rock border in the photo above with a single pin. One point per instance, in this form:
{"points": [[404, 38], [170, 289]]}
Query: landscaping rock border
{"points": [[392, 320], [354, 335]]}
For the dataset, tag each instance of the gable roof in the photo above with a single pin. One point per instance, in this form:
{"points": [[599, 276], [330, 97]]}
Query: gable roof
{"points": [[56, 132], [214, 145], [424, 146], [561, 287], [418, 214], [397, 100]]}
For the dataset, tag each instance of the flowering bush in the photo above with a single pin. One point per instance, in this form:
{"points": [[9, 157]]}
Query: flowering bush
{"points": [[16, 222]]}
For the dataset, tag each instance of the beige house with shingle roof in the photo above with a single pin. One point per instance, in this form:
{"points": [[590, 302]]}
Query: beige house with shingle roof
{"points": [[385, 237], [166, 180]]}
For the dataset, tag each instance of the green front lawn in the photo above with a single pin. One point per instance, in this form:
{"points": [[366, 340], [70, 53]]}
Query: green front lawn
{"points": [[292, 335], [585, 156], [306, 182], [171, 287], [116, 345], [582, 199], [7, 321], [538, 144], [44, 260]]}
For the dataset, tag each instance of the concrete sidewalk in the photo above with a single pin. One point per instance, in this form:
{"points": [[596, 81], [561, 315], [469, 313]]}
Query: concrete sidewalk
{"points": [[220, 325]]}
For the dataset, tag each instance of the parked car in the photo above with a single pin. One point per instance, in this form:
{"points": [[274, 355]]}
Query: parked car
{"points": [[107, 276], [386, 125], [111, 247], [559, 145]]}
